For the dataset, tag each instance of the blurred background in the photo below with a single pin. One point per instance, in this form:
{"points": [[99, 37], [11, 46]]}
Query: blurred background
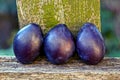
{"points": [[8, 26], [110, 23], [110, 20]]}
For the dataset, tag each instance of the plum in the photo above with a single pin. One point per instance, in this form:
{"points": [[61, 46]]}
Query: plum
{"points": [[59, 44], [27, 43], [90, 44]]}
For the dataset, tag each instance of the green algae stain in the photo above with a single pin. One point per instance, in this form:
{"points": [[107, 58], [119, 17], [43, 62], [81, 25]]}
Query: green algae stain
{"points": [[48, 16], [48, 13]]}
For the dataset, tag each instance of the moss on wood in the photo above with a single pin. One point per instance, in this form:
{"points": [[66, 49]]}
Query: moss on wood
{"points": [[48, 13]]}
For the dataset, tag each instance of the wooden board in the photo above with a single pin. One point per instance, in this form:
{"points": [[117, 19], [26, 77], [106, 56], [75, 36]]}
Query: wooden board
{"points": [[108, 69], [49, 13]]}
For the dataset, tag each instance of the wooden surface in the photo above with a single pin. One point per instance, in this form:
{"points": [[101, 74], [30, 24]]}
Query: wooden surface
{"points": [[48, 13], [108, 69]]}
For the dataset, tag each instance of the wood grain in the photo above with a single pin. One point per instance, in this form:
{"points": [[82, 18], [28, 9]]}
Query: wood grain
{"points": [[41, 69], [49, 13]]}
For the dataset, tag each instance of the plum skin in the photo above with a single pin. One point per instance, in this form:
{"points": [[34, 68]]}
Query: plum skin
{"points": [[59, 44], [27, 43], [90, 44]]}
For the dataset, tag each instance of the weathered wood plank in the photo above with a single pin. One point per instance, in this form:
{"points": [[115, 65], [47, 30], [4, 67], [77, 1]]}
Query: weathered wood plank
{"points": [[108, 69], [48, 13]]}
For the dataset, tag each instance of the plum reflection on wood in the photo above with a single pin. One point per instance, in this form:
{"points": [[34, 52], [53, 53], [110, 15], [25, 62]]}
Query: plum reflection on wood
{"points": [[48, 13]]}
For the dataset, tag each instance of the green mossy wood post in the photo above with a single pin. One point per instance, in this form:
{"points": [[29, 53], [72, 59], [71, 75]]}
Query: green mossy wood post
{"points": [[48, 13]]}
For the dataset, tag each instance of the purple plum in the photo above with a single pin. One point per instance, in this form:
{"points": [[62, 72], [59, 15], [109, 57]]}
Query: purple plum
{"points": [[90, 44], [59, 44], [27, 43]]}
